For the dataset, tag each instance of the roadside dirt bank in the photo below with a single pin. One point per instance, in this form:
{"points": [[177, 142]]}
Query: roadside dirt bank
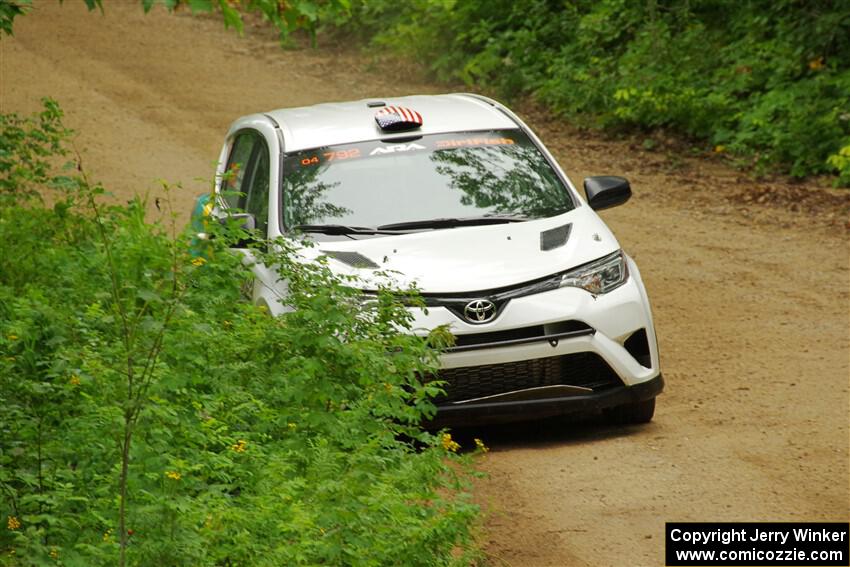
{"points": [[749, 282]]}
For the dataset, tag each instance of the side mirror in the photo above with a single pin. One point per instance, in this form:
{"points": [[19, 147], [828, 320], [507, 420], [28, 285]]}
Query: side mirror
{"points": [[606, 191], [244, 221]]}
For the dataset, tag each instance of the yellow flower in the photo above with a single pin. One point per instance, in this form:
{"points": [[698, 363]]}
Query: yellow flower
{"points": [[448, 443], [291, 425], [481, 446], [174, 475], [13, 523], [75, 380], [54, 553], [240, 446], [719, 149], [12, 337], [816, 64], [198, 261], [107, 535]]}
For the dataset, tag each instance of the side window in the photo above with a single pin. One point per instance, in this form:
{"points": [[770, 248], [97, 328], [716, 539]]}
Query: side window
{"points": [[233, 186], [258, 187]]}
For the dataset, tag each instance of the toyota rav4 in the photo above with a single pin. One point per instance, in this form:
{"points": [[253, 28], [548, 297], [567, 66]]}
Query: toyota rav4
{"points": [[456, 194]]}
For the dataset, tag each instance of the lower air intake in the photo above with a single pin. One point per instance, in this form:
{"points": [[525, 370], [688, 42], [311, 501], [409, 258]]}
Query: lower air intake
{"points": [[585, 369]]}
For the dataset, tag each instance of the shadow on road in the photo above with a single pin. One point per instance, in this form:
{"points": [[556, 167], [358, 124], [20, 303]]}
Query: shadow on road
{"points": [[544, 433]]}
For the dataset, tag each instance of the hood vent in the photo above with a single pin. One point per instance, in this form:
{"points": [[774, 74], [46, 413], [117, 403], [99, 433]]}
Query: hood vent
{"points": [[554, 237], [354, 259]]}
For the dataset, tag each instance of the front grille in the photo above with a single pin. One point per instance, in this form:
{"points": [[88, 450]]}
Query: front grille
{"points": [[470, 339], [499, 336], [584, 369]]}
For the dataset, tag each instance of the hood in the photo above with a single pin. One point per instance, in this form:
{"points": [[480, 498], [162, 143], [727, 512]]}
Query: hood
{"points": [[473, 258]]}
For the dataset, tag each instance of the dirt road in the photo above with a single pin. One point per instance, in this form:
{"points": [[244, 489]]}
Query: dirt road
{"points": [[749, 283]]}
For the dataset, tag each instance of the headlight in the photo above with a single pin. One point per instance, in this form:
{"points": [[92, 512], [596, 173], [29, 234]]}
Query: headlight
{"points": [[599, 276]]}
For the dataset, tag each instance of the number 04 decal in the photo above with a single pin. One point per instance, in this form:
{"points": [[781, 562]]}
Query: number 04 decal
{"points": [[331, 156]]}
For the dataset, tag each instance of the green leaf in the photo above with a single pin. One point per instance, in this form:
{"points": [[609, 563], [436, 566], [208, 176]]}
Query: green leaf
{"points": [[148, 295], [308, 9], [232, 17], [200, 5]]}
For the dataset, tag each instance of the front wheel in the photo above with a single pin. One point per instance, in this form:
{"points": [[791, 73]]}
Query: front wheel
{"points": [[632, 413]]}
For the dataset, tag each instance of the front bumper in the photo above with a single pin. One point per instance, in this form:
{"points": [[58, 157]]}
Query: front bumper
{"points": [[580, 359], [500, 412]]}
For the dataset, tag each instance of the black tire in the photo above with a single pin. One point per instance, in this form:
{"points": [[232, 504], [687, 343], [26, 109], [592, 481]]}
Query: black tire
{"points": [[633, 413]]}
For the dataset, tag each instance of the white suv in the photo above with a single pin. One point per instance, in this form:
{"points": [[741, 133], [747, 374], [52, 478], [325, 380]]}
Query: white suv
{"points": [[457, 194]]}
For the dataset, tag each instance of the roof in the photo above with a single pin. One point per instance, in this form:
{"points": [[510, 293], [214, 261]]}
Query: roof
{"points": [[346, 122]]}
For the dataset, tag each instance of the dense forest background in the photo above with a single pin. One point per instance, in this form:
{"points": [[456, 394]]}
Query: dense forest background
{"points": [[764, 80]]}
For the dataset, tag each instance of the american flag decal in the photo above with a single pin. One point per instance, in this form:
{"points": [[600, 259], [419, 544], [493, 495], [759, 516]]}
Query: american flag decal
{"points": [[396, 118]]}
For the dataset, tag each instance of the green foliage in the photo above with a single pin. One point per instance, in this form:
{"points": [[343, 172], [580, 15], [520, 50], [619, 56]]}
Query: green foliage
{"points": [[841, 162], [9, 10], [29, 149], [150, 415], [770, 81], [286, 16]]}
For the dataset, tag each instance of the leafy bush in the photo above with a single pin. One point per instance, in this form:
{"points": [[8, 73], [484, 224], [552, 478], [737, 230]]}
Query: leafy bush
{"points": [[770, 81], [149, 415], [841, 162], [29, 147]]}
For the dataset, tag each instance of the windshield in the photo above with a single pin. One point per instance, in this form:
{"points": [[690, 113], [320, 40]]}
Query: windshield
{"points": [[444, 176]]}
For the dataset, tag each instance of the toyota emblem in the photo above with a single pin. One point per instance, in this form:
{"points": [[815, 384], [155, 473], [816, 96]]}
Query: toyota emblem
{"points": [[479, 311]]}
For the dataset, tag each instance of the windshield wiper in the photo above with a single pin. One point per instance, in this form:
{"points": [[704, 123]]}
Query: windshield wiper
{"points": [[453, 222], [340, 229]]}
